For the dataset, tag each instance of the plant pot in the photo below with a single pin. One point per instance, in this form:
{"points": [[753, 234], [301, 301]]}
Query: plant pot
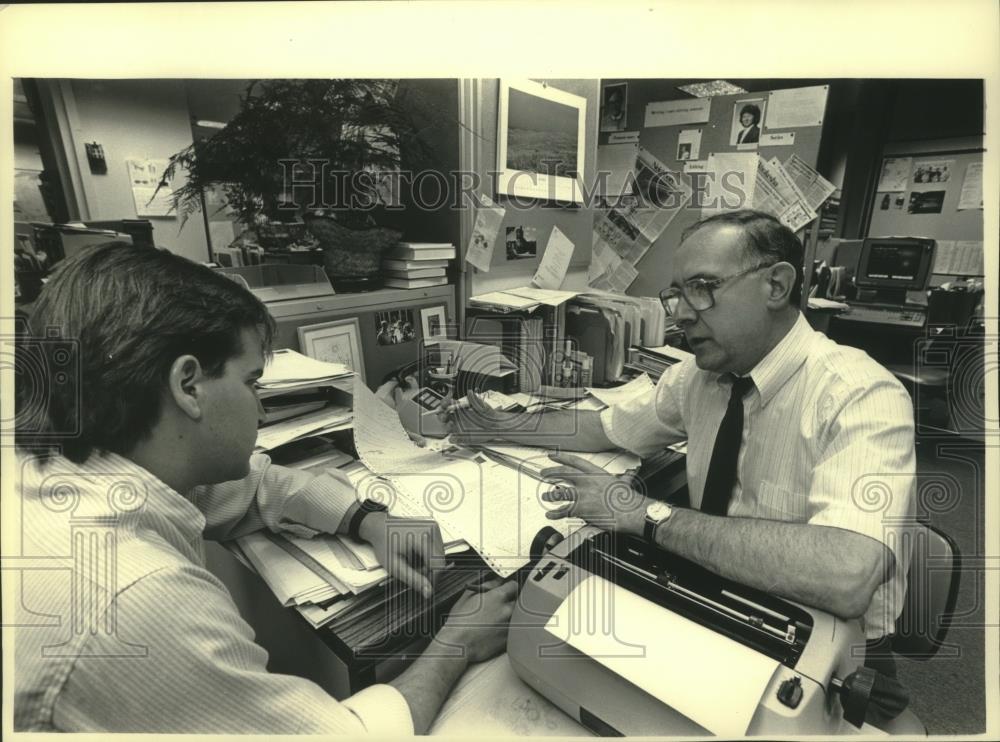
{"points": [[352, 257]]}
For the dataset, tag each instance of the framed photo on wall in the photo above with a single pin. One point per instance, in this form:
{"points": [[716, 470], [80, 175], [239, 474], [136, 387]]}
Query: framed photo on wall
{"points": [[434, 323], [336, 342], [541, 141]]}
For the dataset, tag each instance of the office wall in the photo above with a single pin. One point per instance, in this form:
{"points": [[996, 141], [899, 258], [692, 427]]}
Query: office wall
{"points": [[574, 221], [134, 119], [654, 268]]}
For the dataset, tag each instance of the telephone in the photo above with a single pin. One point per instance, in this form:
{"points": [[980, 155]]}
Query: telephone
{"points": [[418, 410]]}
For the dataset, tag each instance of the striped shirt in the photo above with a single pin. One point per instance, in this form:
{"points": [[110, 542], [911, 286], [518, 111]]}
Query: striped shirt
{"points": [[827, 440], [121, 628]]}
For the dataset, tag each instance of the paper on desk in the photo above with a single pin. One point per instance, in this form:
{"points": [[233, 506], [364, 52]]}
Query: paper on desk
{"points": [[495, 509], [552, 268], [287, 577], [715, 681], [489, 217], [616, 395]]}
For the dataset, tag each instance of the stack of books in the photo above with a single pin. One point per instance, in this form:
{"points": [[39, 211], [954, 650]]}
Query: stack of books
{"points": [[416, 265]]}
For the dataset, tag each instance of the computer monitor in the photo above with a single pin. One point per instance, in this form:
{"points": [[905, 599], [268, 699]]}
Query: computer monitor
{"points": [[895, 265]]}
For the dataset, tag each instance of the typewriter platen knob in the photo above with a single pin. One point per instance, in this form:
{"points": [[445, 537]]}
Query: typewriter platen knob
{"points": [[790, 691]]}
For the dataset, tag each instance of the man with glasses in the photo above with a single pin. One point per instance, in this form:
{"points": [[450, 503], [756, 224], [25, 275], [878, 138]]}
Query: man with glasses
{"points": [[800, 451]]}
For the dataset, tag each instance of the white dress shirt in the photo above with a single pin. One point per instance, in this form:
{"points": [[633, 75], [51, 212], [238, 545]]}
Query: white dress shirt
{"points": [[122, 629], [828, 439]]}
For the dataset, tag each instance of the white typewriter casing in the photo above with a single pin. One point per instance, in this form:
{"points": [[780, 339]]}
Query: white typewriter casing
{"points": [[608, 704]]}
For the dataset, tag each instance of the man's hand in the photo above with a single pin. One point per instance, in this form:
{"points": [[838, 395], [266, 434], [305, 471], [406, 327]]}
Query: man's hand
{"points": [[477, 625], [410, 549], [591, 493]]}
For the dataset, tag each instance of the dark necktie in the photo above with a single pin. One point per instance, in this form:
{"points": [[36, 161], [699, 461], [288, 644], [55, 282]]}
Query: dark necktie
{"points": [[722, 470]]}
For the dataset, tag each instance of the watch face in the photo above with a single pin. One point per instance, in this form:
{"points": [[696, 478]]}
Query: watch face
{"points": [[658, 511]]}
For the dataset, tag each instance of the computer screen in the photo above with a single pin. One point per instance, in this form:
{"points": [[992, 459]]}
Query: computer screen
{"points": [[895, 263]]}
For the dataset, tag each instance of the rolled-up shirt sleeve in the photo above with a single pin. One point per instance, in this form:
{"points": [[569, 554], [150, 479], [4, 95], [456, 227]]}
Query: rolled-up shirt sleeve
{"points": [[194, 668], [275, 497], [653, 420]]}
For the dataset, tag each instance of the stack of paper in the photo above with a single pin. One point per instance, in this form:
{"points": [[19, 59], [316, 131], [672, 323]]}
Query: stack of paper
{"points": [[327, 420], [525, 298], [302, 397], [319, 576], [289, 371]]}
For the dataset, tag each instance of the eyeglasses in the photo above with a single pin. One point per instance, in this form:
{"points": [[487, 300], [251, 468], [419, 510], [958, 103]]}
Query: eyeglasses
{"points": [[699, 293]]}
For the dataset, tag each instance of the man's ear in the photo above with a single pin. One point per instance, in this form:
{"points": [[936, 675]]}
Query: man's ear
{"points": [[780, 283], [184, 385]]}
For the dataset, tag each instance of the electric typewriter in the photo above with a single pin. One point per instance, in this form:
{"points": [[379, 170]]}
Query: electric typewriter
{"points": [[812, 649]]}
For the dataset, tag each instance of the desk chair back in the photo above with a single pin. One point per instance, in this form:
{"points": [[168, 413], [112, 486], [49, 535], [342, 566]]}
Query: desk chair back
{"points": [[931, 593]]}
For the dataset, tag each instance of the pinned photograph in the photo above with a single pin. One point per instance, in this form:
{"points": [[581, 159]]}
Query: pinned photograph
{"points": [[933, 171], [925, 202], [747, 115], [614, 100], [522, 242], [689, 144], [394, 327]]}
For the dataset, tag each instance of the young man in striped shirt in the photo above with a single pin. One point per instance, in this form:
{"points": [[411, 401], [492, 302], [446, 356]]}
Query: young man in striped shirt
{"points": [[137, 418]]}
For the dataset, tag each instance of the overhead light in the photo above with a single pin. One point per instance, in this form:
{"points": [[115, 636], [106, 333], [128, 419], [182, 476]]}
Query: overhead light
{"points": [[711, 89], [209, 124]]}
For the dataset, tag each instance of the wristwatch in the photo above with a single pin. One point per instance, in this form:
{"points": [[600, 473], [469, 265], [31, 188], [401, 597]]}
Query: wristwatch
{"points": [[367, 506], [657, 513]]}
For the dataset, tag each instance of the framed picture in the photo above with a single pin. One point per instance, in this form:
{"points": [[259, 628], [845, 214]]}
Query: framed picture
{"points": [[434, 323], [337, 342], [540, 141]]}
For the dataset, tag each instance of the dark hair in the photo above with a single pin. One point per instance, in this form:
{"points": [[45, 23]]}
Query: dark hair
{"points": [[103, 335], [765, 239], [753, 110]]}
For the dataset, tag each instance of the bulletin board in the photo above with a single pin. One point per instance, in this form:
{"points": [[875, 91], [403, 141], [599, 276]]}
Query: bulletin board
{"points": [[535, 218], [662, 141], [901, 219]]}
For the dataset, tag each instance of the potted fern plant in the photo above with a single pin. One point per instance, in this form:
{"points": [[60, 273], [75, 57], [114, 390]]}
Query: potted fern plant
{"points": [[319, 151]]}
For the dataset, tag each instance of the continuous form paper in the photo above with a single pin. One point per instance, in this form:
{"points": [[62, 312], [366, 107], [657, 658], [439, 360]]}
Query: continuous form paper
{"points": [[638, 640], [496, 510]]}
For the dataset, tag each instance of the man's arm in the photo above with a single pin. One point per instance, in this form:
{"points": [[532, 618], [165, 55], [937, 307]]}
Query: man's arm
{"points": [[837, 559], [829, 568], [475, 631]]}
